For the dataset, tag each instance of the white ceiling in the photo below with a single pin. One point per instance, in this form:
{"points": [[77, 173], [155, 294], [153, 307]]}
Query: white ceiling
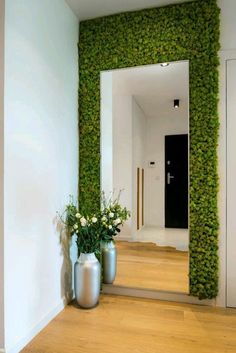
{"points": [[155, 87], [86, 9]]}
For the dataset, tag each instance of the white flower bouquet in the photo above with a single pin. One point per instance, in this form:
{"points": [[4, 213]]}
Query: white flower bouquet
{"points": [[112, 217], [85, 227]]}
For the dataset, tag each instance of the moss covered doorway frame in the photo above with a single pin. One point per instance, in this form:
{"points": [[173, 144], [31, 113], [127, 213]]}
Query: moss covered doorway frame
{"points": [[188, 31]]}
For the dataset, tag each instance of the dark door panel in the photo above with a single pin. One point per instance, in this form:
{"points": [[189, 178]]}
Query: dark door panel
{"points": [[176, 181]]}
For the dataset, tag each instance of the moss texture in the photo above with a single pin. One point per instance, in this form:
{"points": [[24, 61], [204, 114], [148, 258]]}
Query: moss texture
{"points": [[188, 31]]}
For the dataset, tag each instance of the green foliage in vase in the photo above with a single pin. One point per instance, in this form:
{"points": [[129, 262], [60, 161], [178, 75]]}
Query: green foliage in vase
{"points": [[112, 218], [188, 31]]}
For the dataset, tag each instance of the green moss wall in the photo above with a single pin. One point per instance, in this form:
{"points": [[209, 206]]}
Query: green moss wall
{"points": [[188, 31]]}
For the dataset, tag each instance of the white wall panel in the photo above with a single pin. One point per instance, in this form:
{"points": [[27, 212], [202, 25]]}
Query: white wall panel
{"points": [[231, 183], [41, 160]]}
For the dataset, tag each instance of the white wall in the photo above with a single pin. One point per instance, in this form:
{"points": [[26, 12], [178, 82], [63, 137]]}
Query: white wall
{"points": [[106, 133], [172, 122], [228, 24], [228, 51], [122, 153], [139, 127], [41, 160], [231, 176], [129, 138], [1, 173]]}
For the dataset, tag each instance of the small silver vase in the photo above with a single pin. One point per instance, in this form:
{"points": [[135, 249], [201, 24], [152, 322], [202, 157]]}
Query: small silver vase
{"points": [[87, 280], [109, 260]]}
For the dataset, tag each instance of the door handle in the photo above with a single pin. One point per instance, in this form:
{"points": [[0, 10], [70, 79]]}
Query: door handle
{"points": [[169, 177]]}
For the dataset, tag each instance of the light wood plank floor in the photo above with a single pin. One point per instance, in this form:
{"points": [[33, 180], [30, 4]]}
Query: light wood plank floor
{"points": [[132, 325], [146, 265]]}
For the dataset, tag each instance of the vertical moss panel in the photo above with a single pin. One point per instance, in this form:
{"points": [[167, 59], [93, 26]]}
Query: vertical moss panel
{"points": [[188, 31]]}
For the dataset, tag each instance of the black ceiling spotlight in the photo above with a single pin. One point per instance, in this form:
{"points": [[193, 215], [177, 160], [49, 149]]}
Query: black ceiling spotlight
{"points": [[165, 64], [176, 103]]}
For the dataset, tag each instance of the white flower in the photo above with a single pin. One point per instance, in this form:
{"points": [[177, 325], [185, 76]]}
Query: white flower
{"points": [[111, 214], [117, 221], [75, 226], [94, 219], [104, 218], [110, 227], [83, 221], [78, 215]]}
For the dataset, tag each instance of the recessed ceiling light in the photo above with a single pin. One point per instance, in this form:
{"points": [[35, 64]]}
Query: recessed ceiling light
{"points": [[165, 64], [176, 103]]}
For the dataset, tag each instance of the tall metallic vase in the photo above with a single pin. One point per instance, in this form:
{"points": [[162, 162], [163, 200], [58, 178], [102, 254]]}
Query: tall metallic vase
{"points": [[87, 280], [109, 260]]}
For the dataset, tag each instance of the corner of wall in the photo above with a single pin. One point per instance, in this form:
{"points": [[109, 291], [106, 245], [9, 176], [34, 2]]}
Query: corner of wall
{"points": [[2, 24], [37, 328]]}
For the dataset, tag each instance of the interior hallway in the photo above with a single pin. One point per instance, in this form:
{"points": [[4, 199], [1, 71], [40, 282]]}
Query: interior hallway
{"points": [[145, 265], [125, 325]]}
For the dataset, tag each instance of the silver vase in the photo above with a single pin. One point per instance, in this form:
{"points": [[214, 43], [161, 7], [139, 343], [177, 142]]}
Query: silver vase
{"points": [[109, 260], [87, 280]]}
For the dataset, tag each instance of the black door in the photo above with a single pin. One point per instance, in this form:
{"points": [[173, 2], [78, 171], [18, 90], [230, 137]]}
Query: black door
{"points": [[176, 181]]}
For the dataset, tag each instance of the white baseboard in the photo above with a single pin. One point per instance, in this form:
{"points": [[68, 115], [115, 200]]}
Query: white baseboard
{"points": [[37, 328], [155, 294]]}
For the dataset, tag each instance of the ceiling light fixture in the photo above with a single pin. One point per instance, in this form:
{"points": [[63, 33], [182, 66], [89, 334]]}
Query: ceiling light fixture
{"points": [[165, 64], [176, 103]]}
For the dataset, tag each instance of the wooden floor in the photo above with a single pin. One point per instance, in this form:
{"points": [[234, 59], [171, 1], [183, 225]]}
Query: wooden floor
{"points": [[146, 265], [130, 325]]}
